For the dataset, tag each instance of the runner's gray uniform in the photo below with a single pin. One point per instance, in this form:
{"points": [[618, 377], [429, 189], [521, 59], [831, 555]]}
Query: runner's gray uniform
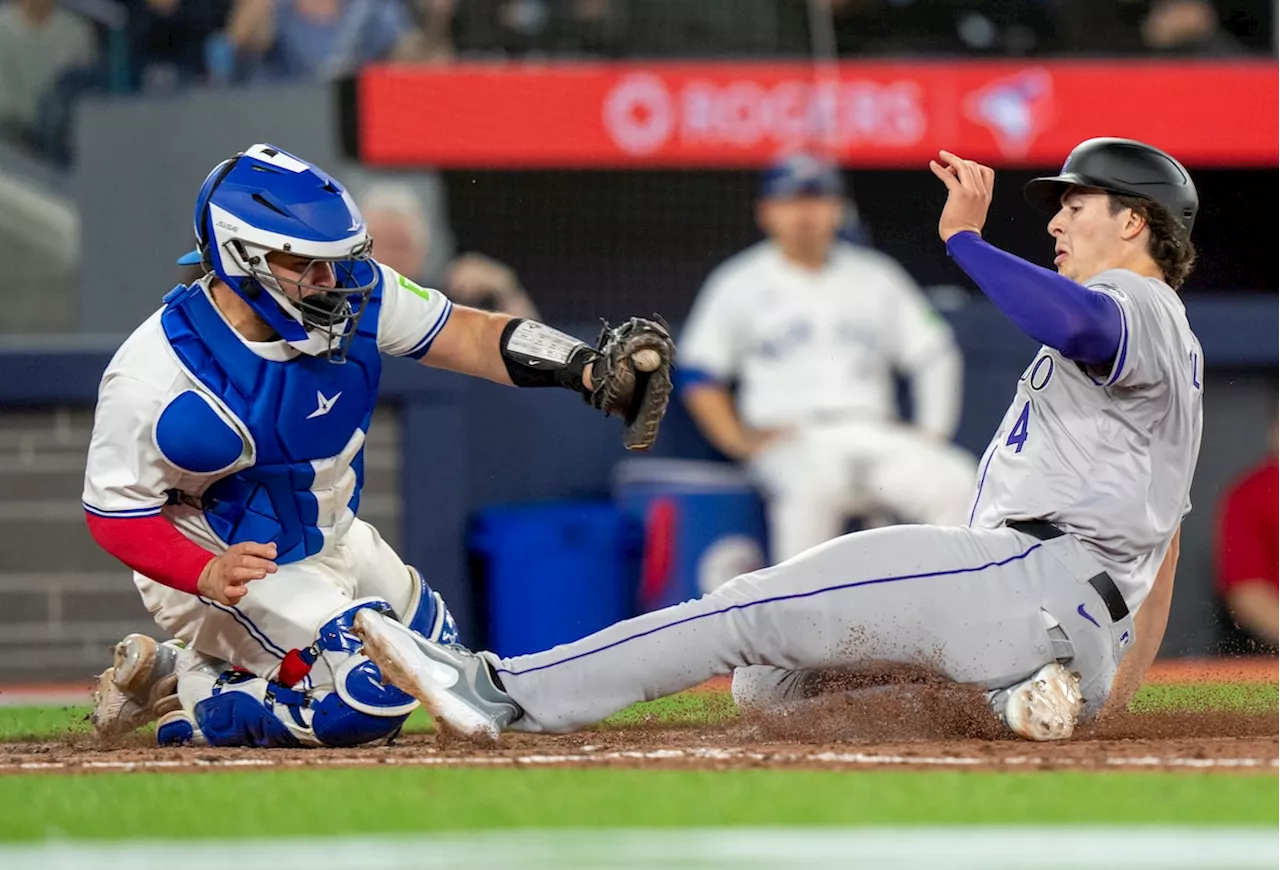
{"points": [[1105, 456]]}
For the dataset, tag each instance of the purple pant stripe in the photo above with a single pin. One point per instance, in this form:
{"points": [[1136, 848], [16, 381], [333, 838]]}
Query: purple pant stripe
{"points": [[774, 600]]}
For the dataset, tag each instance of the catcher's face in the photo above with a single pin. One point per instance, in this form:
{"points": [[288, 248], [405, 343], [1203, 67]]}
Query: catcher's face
{"points": [[1089, 239], [804, 227], [300, 277]]}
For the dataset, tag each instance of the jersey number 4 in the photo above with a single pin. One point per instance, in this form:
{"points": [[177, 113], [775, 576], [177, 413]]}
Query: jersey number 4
{"points": [[1018, 435]]}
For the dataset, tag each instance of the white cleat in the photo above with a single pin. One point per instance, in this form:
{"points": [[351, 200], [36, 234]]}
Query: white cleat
{"points": [[139, 686], [1045, 707], [453, 684]]}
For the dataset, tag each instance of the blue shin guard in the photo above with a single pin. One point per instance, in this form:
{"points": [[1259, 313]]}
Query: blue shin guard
{"points": [[349, 706], [428, 615]]}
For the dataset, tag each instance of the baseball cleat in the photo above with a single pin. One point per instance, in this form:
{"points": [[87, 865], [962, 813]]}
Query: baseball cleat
{"points": [[1045, 707], [139, 686], [454, 684]]}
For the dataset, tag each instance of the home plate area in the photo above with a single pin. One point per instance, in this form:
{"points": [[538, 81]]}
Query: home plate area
{"points": [[1243, 742]]}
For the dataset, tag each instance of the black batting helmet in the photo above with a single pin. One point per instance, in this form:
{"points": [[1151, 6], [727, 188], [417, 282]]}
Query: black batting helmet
{"points": [[1121, 166]]}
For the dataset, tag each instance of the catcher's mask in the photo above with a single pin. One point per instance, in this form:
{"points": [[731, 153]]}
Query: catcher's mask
{"points": [[266, 200]]}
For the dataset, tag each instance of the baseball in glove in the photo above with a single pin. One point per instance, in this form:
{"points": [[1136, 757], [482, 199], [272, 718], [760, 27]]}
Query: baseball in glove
{"points": [[631, 377]]}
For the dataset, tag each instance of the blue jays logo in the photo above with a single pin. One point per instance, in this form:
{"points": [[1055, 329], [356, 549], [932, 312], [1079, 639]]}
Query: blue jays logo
{"points": [[1016, 109]]}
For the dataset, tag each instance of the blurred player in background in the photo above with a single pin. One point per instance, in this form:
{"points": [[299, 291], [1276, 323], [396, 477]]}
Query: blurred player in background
{"points": [[811, 330], [226, 463]]}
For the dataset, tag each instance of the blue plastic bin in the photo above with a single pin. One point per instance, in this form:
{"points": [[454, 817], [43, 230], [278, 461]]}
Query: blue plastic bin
{"points": [[552, 572], [703, 525]]}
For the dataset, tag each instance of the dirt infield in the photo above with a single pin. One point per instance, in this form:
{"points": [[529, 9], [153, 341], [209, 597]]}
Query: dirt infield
{"points": [[1244, 743], [906, 720]]}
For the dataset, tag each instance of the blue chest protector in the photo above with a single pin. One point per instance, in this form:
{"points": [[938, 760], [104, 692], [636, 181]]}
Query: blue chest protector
{"points": [[298, 412]]}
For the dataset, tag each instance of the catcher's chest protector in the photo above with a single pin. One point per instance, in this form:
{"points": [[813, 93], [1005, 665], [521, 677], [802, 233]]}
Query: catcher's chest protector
{"points": [[290, 430]]}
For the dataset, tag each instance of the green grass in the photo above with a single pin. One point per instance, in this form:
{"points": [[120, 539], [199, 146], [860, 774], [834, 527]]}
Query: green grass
{"points": [[1193, 697], [401, 800], [275, 803], [701, 708], [692, 709], [42, 723]]}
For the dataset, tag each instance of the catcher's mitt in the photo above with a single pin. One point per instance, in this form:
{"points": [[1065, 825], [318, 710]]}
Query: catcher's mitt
{"points": [[631, 377]]}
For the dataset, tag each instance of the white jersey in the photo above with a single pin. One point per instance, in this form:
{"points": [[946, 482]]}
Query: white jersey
{"points": [[127, 473], [1106, 455], [807, 345]]}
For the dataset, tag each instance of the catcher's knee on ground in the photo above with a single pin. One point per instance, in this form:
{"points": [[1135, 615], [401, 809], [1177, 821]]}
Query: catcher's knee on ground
{"points": [[335, 695]]}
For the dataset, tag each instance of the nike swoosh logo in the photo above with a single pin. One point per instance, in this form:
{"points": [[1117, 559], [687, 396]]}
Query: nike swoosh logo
{"points": [[443, 675], [1080, 610]]}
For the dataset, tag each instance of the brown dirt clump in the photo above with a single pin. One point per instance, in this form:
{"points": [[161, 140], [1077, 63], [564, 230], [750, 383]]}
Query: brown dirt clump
{"points": [[901, 705], [890, 718], [825, 733]]}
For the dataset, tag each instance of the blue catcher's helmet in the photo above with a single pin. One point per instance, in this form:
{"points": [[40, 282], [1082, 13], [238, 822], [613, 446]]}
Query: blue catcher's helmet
{"points": [[266, 200]]}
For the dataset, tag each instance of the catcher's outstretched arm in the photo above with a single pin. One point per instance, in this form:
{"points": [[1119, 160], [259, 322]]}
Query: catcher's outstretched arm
{"points": [[628, 374], [475, 343]]}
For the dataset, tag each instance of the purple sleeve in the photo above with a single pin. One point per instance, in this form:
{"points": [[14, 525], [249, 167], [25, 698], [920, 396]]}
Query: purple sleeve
{"points": [[1081, 324]]}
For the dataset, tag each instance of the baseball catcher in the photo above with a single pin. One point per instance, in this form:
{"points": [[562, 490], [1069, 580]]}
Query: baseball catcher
{"points": [[227, 461]]}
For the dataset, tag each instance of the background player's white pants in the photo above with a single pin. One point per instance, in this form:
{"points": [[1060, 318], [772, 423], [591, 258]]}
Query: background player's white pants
{"points": [[282, 611], [815, 479], [968, 603]]}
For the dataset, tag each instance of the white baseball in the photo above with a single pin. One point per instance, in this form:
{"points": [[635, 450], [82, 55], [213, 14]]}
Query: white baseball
{"points": [[646, 360]]}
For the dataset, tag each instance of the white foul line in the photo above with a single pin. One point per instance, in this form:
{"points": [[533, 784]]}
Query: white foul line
{"points": [[320, 758]]}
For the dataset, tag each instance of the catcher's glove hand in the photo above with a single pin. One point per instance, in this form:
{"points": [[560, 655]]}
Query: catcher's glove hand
{"points": [[631, 377]]}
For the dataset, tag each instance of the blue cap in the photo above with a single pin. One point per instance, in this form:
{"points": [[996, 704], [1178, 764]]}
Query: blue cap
{"points": [[192, 258], [801, 175]]}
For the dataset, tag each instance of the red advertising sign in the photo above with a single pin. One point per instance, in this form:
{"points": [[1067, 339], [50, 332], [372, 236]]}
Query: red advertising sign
{"points": [[880, 114]]}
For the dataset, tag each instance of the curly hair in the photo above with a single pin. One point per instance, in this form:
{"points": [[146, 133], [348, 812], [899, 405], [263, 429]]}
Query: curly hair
{"points": [[1169, 243]]}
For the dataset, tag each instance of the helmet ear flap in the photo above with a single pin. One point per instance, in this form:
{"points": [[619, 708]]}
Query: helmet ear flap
{"points": [[249, 285], [202, 225]]}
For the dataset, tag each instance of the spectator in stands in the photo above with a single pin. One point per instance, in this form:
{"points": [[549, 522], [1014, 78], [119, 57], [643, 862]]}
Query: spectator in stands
{"points": [[518, 28], [168, 39], [40, 44], [398, 224], [897, 27], [1187, 27], [431, 39], [482, 282], [313, 39], [1248, 554], [811, 330], [707, 28], [1099, 27]]}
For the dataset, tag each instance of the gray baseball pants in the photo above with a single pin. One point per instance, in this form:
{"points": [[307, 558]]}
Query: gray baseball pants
{"points": [[969, 604]]}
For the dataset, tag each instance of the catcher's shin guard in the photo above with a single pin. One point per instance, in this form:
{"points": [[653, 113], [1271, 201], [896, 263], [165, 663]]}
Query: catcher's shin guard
{"points": [[428, 615], [177, 728], [348, 706]]}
